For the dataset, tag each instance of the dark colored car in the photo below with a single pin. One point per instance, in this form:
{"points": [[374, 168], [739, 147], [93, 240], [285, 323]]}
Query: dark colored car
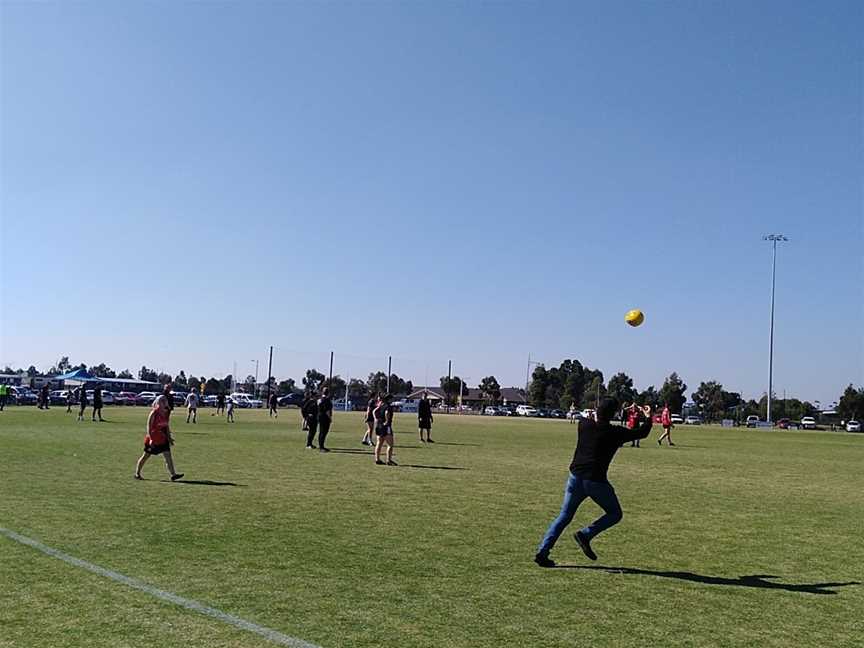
{"points": [[557, 413], [290, 399]]}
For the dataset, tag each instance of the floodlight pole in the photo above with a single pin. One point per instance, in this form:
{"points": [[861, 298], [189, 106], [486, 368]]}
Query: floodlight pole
{"points": [[269, 374], [774, 238], [389, 371]]}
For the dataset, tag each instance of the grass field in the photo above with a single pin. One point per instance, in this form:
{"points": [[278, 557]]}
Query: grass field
{"points": [[731, 538]]}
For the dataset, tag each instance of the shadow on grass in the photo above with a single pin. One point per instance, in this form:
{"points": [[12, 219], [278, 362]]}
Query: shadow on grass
{"points": [[202, 482], [473, 445], [404, 465], [759, 581]]}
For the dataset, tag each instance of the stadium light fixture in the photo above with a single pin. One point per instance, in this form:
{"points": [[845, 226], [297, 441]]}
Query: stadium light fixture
{"points": [[774, 238]]}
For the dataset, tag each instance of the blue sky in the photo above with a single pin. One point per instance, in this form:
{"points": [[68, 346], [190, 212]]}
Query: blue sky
{"points": [[184, 184]]}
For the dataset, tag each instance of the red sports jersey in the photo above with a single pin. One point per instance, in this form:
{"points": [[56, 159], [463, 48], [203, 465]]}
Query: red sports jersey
{"points": [[157, 430]]}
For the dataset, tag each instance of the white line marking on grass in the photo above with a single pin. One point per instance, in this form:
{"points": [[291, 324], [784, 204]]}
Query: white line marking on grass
{"points": [[134, 583]]}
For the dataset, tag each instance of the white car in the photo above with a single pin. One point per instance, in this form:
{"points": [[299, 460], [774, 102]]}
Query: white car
{"points": [[245, 400], [693, 420], [853, 426], [526, 410], [676, 419], [107, 397], [808, 423], [752, 420]]}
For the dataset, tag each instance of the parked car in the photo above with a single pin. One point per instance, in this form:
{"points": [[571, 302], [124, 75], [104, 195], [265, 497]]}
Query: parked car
{"points": [[58, 396], [23, 395], [126, 398], [209, 400], [290, 399], [557, 413], [693, 420], [752, 420], [146, 398], [676, 419], [107, 397], [526, 410], [783, 423], [853, 426], [491, 411], [508, 410], [808, 423], [588, 413], [246, 400]]}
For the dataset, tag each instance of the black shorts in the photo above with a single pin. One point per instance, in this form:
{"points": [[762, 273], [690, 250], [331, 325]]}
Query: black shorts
{"points": [[425, 424], [383, 430], [156, 449]]}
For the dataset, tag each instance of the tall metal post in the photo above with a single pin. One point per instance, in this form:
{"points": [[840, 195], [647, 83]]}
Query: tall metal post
{"points": [[269, 374], [389, 371], [330, 379], [774, 238], [447, 391]]}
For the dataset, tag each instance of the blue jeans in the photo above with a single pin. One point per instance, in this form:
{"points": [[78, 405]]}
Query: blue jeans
{"points": [[575, 492]]}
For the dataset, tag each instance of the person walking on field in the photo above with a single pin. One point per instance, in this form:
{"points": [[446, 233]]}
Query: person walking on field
{"points": [[309, 410], [70, 398], [82, 401], [229, 412], [44, 398], [630, 419], [325, 418], [158, 439], [370, 420], [97, 403], [192, 406], [220, 403], [274, 404], [384, 430], [4, 393], [571, 415], [424, 418], [597, 443], [666, 422]]}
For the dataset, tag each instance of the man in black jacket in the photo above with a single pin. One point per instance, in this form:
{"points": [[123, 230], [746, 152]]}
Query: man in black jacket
{"points": [[424, 418], [597, 444], [309, 410], [325, 418]]}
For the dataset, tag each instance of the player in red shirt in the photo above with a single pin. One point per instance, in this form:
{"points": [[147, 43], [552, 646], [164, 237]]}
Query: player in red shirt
{"points": [[666, 422], [631, 420], [158, 439]]}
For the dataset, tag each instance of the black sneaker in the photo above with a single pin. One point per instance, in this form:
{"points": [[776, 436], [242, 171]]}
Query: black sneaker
{"points": [[323, 449], [378, 462], [585, 544], [544, 561], [429, 441], [177, 476]]}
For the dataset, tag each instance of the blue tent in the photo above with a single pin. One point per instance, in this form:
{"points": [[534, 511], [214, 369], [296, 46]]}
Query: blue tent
{"points": [[81, 375]]}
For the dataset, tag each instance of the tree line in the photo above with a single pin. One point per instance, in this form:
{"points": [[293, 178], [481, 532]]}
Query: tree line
{"points": [[556, 387]]}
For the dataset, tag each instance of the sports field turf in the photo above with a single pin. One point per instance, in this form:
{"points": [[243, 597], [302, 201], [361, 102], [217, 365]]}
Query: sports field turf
{"points": [[731, 538]]}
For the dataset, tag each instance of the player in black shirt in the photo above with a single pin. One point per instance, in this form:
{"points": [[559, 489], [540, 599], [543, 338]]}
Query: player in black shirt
{"points": [[220, 403], [274, 404], [309, 410], [82, 400], [325, 418], [597, 444], [424, 418], [383, 413], [97, 403]]}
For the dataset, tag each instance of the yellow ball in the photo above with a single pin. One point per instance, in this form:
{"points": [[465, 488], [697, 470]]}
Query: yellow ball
{"points": [[634, 317]]}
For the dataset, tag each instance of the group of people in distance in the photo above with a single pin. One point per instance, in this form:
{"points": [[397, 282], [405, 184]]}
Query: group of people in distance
{"points": [[598, 441], [79, 395], [317, 416]]}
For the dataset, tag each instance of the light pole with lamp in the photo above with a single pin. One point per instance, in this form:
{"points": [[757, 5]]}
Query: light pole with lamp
{"points": [[255, 388], [774, 238]]}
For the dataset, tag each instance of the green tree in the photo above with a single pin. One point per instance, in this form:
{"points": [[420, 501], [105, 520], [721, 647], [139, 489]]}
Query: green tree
{"points": [[337, 386], [709, 398], [103, 371], [850, 407], [649, 396], [358, 391], [227, 383], [450, 387], [594, 389], [125, 375], [312, 380], [193, 384], [32, 372], [180, 380], [287, 386], [672, 392], [490, 389], [213, 386], [621, 388], [377, 382], [574, 384], [537, 387], [164, 378], [147, 374]]}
